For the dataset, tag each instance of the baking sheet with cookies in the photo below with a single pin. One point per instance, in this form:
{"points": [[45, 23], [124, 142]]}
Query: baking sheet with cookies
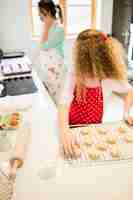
{"points": [[15, 133], [104, 142], [10, 121]]}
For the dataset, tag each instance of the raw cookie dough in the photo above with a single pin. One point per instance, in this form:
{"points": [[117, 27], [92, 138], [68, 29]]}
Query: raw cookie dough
{"points": [[102, 146], [102, 131], [88, 140], [122, 129], [115, 153], [129, 138], [94, 154], [111, 139], [86, 131]]}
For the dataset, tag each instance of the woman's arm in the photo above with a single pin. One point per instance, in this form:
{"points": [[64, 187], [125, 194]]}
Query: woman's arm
{"points": [[44, 37], [46, 28]]}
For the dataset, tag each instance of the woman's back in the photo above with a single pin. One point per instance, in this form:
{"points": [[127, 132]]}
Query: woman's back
{"points": [[55, 39]]}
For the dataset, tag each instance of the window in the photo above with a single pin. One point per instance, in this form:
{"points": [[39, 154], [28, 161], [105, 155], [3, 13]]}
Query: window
{"points": [[78, 15], [35, 20]]}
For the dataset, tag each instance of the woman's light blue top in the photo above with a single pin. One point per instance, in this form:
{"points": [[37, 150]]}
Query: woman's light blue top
{"points": [[55, 39]]}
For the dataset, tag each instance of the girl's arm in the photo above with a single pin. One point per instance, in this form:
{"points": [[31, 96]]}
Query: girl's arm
{"points": [[124, 89], [63, 111], [66, 138], [15, 164], [128, 103], [20, 150], [69, 144], [65, 135]]}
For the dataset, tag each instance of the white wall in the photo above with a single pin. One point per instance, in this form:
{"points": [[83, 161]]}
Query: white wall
{"points": [[14, 25], [104, 17], [104, 23]]}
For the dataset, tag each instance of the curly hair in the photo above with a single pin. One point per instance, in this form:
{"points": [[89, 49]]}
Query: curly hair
{"points": [[98, 56]]}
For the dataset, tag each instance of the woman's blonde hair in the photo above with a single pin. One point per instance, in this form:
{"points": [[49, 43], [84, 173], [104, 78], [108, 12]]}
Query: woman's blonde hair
{"points": [[98, 56]]}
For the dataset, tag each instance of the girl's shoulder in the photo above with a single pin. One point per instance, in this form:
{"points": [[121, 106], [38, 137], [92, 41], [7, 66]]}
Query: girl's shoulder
{"points": [[114, 81], [120, 86]]}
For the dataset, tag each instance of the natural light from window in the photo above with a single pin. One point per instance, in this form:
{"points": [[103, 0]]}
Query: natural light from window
{"points": [[78, 16], [36, 19]]}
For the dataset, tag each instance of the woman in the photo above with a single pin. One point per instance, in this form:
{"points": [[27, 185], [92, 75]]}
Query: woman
{"points": [[50, 64]]}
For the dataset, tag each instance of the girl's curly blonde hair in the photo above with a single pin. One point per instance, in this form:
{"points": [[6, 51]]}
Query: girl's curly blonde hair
{"points": [[98, 56]]}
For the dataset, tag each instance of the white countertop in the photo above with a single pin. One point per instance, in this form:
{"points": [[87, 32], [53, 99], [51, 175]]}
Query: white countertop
{"points": [[110, 182]]}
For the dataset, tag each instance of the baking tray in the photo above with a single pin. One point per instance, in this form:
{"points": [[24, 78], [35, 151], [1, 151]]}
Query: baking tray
{"points": [[119, 150]]}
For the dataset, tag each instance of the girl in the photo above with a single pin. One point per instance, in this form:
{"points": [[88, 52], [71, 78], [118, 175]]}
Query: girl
{"points": [[99, 71], [50, 64]]}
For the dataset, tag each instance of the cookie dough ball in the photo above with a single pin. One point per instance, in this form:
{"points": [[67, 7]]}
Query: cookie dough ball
{"points": [[102, 146], [115, 152], [122, 129], [86, 131], [88, 140], [102, 131], [111, 139], [129, 138], [14, 120], [77, 151], [94, 154]]}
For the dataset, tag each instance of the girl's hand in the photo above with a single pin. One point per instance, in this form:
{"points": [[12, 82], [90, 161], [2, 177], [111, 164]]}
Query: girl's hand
{"points": [[13, 170], [129, 120], [71, 148], [14, 165]]}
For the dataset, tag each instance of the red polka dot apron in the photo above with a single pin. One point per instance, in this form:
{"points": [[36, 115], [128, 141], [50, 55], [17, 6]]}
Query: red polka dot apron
{"points": [[89, 111]]}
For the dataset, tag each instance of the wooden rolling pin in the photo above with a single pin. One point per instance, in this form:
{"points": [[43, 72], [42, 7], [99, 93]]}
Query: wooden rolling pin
{"points": [[19, 154]]}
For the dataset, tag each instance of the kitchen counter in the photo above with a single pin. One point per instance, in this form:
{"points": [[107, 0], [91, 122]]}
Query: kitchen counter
{"points": [[110, 181]]}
